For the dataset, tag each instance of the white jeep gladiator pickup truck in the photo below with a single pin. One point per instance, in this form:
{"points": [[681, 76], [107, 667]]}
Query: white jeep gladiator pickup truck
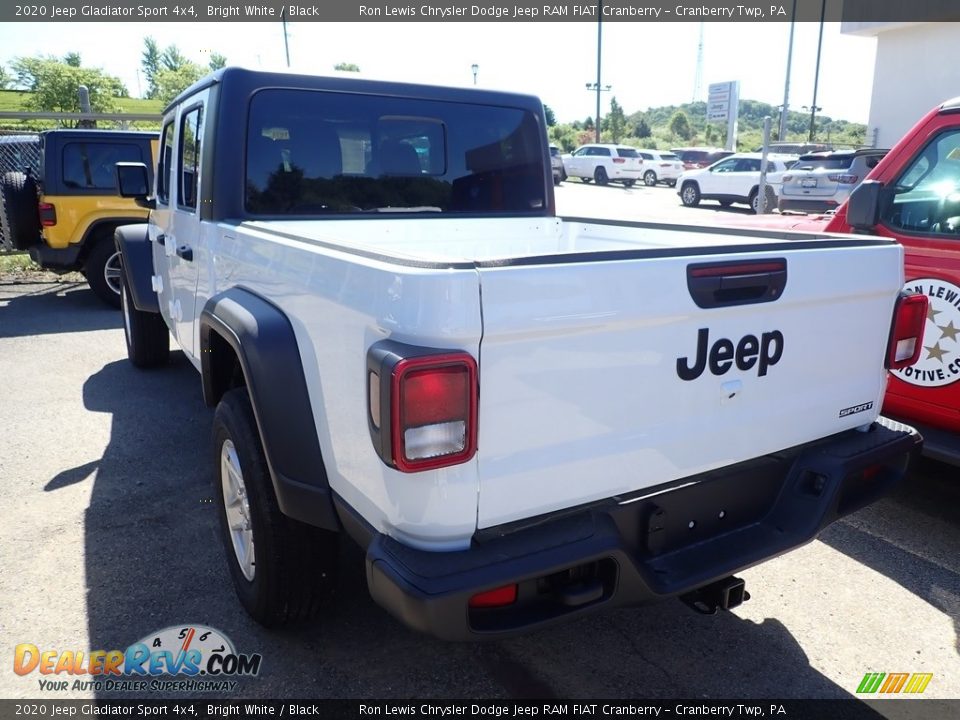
{"points": [[520, 417]]}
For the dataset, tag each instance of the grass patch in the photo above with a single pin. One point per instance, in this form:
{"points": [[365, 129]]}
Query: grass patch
{"points": [[20, 262]]}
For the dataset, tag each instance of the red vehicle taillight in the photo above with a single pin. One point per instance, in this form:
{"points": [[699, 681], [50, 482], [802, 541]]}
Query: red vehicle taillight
{"points": [[843, 179], [619, 161], [422, 406], [48, 215], [498, 597], [906, 335]]}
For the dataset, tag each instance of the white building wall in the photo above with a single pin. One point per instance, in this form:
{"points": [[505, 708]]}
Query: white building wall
{"points": [[917, 67]]}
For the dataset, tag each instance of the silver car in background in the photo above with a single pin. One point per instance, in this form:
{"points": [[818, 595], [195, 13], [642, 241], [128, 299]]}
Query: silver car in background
{"points": [[821, 181]]}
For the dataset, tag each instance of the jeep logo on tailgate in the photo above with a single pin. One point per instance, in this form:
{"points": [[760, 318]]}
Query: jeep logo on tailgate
{"points": [[764, 352]]}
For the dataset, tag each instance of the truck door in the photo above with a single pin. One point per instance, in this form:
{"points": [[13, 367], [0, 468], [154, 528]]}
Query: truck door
{"points": [[183, 232], [160, 219], [924, 215]]}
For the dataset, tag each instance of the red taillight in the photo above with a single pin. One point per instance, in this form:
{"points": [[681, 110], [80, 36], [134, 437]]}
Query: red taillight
{"points": [[843, 179], [498, 597], [618, 161], [48, 215], [906, 337], [433, 411]]}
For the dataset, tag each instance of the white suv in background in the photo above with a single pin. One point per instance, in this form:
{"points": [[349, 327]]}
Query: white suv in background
{"points": [[734, 179], [660, 166], [605, 164]]}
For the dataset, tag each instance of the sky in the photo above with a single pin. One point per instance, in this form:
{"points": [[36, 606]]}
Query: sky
{"points": [[648, 64]]}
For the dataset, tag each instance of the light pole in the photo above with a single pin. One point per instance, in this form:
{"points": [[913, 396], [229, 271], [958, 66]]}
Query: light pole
{"points": [[816, 73], [474, 68], [785, 108], [599, 89], [599, 55], [814, 109]]}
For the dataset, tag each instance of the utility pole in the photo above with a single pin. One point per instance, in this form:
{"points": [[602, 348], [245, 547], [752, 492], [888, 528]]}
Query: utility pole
{"points": [[785, 109], [596, 120], [286, 41], [816, 74]]}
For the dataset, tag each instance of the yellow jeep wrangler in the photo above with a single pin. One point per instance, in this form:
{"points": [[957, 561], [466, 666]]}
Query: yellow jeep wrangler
{"points": [[65, 211]]}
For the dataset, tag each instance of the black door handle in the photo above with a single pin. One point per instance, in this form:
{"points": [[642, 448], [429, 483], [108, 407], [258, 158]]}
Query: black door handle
{"points": [[185, 252], [160, 238], [736, 283]]}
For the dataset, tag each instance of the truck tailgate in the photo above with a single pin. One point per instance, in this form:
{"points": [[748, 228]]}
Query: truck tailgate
{"points": [[594, 384]]}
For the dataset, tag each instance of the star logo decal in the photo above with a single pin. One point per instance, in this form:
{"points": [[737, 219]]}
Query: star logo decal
{"points": [[931, 312], [935, 352], [949, 331]]}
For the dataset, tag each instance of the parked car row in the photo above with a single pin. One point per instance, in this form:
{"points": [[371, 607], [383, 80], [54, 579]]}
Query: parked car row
{"points": [[606, 163], [817, 181]]}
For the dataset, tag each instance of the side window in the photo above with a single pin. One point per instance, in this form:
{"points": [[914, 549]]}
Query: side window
{"points": [[580, 152], [191, 130], [748, 165], [927, 195], [605, 152], [725, 167], [90, 165], [163, 167]]}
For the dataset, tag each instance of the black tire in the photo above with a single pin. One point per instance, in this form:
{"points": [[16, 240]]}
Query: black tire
{"points": [[629, 183], [294, 565], [771, 199], [600, 175], [672, 183], [690, 194], [146, 334], [19, 211], [103, 272], [585, 179], [563, 175], [649, 178], [556, 180]]}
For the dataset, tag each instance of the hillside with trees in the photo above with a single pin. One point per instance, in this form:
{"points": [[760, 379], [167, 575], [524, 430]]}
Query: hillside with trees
{"points": [[686, 124]]}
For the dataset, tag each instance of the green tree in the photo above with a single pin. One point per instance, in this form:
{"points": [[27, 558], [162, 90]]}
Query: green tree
{"points": [[170, 83], [72, 59], [551, 118], [150, 63], [6, 79], [680, 125], [217, 61], [54, 83], [173, 59], [616, 121], [642, 129], [588, 123], [347, 67]]}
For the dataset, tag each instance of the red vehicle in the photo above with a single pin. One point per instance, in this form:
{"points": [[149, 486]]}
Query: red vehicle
{"points": [[913, 195]]}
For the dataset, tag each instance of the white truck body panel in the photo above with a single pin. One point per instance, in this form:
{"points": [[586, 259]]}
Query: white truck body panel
{"points": [[577, 341]]}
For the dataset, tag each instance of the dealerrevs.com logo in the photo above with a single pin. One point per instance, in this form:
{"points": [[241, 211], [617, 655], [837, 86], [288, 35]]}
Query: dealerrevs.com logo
{"points": [[188, 658], [939, 362]]}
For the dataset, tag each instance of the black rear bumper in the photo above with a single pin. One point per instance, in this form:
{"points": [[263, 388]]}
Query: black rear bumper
{"points": [[629, 550]]}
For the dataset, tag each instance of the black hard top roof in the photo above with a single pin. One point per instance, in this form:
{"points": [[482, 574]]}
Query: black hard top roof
{"points": [[252, 80]]}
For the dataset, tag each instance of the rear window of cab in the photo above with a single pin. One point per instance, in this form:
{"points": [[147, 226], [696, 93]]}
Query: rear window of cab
{"points": [[317, 153]]}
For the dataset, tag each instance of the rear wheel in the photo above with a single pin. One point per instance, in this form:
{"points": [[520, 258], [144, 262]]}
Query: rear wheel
{"points": [[628, 183], [755, 199], [282, 570], [148, 340], [103, 271], [19, 211], [600, 175], [690, 194], [649, 178], [585, 179]]}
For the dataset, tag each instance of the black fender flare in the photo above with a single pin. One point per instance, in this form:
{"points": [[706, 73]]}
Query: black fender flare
{"points": [[262, 338], [136, 255]]}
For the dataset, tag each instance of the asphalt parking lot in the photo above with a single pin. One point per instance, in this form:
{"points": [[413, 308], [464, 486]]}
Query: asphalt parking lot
{"points": [[107, 534]]}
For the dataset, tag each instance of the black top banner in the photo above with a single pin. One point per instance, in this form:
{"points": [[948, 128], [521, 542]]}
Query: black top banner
{"points": [[483, 11], [693, 709]]}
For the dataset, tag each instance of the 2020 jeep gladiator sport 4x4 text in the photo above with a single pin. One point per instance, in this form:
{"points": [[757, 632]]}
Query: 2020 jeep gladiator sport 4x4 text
{"points": [[520, 417]]}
